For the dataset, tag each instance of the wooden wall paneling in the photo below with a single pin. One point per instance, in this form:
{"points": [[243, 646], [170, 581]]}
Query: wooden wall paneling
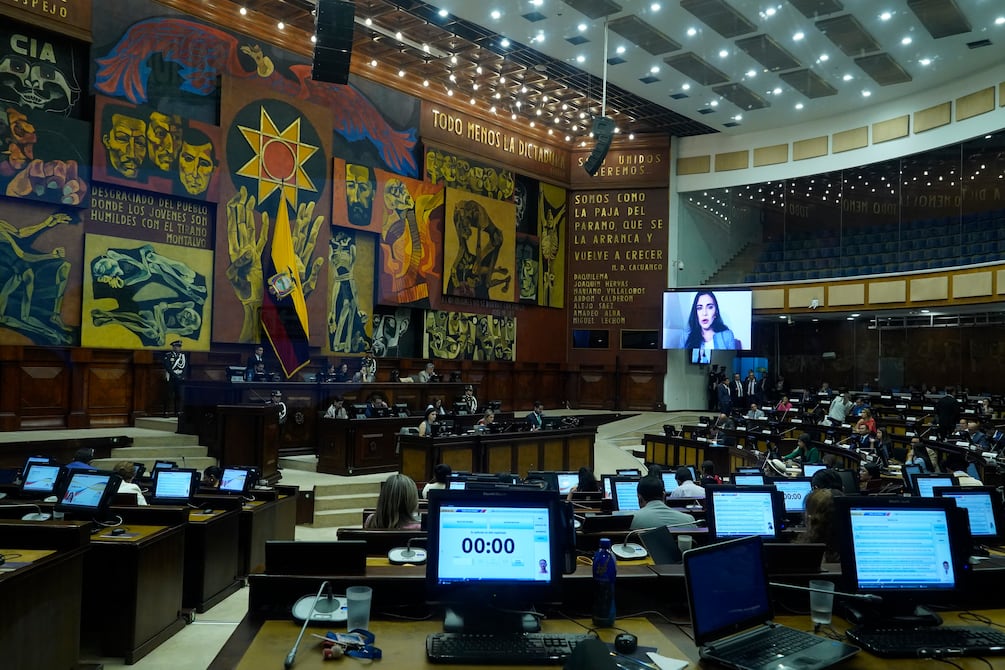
{"points": [[594, 388], [10, 387], [642, 389], [44, 390], [109, 401], [579, 450], [529, 457]]}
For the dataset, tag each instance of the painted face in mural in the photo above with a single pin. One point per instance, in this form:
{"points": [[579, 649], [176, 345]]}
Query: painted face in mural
{"points": [[161, 142], [528, 277], [397, 198], [196, 162], [36, 84], [520, 200], [359, 192], [126, 143]]}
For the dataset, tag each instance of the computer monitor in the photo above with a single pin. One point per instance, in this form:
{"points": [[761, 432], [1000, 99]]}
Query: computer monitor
{"points": [[984, 510], [740, 479], [849, 480], [401, 409], [36, 459], [494, 554], [494, 405], [461, 408], [810, 469], [41, 480], [628, 472], [88, 493], [794, 491], [922, 485], [606, 486], [174, 486], [906, 550], [236, 480], [909, 470], [749, 470], [669, 481], [380, 412], [566, 480], [138, 469], [625, 493], [736, 511], [358, 411], [457, 484], [551, 423], [163, 465]]}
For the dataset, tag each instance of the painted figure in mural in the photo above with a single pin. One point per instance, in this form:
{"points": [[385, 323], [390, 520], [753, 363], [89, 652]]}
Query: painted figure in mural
{"points": [[33, 283], [37, 83], [163, 135], [53, 180], [152, 275], [527, 264], [153, 325], [345, 319], [400, 235], [196, 162], [387, 332], [551, 246], [433, 162], [479, 241], [441, 344], [125, 138], [360, 189]]}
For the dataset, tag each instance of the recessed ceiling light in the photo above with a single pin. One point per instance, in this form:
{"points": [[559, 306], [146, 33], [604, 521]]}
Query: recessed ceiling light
{"points": [[885, 16], [751, 74], [925, 61], [723, 53], [425, 82], [631, 136], [580, 58], [314, 39], [620, 49], [496, 14], [691, 32], [1000, 20], [824, 58], [582, 27], [855, 315], [401, 73], [905, 41], [654, 69], [799, 105], [513, 116], [714, 103], [777, 90], [655, 7], [505, 43], [398, 36], [281, 25], [443, 13], [244, 11], [450, 92], [373, 63], [770, 11], [866, 93], [847, 77], [453, 60], [368, 22], [738, 117], [798, 36], [686, 87]]}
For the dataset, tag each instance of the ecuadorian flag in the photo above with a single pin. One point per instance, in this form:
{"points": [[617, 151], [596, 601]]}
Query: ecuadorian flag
{"points": [[284, 310]]}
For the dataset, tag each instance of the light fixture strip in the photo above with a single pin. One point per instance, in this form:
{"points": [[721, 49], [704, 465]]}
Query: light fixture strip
{"points": [[432, 51]]}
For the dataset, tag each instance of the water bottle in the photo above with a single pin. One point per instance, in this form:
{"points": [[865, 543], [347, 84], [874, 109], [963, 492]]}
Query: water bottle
{"points": [[605, 570]]}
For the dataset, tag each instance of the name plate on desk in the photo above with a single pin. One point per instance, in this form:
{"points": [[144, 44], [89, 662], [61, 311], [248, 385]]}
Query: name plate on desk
{"points": [[797, 420]]}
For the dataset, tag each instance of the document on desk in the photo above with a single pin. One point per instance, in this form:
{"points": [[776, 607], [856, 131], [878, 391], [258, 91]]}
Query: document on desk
{"points": [[667, 663]]}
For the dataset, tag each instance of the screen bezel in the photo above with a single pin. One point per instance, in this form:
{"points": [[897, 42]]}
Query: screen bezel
{"points": [[776, 508], [249, 478], [676, 308], [484, 592], [615, 498], [785, 480], [98, 510], [917, 479], [997, 509], [193, 486], [57, 483]]}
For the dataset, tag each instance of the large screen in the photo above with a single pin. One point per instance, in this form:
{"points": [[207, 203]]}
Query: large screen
{"points": [[707, 320]]}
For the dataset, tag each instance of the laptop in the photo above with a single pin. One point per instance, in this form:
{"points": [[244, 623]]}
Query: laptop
{"points": [[731, 614]]}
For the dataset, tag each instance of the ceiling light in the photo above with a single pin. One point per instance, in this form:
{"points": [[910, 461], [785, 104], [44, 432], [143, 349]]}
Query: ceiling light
{"points": [[798, 36], [580, 58], [472, 101], [777, 90], [770, 11], [655, 7], [691, 32], [847, 77], [536, 3], [497, 96], [686, 87], [533, 125], [401, 73], [523, 89], [654, 69], [855, 315], [244, 11], [373, 63], [738, 117], [425, 82], [443, 13], [314, 39], [885, 16], [505, 43], [398, 35], [905, 41], [496, 14], [620, 50], [453, 60], [799, 105], [281, 25], [866, 93], [824, 58], [714, 103], [538, 112], [513, 116], [478, 69], [568, 137], [492, 109], [925, 61], [1000, 20], [450, 92], [368, 22], [723, 53], [751, 74]]}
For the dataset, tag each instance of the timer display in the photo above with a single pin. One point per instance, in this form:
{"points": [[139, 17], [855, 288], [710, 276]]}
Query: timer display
{"points": [[487, 543]]}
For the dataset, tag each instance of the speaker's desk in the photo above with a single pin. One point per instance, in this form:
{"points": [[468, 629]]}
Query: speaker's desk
{"points": [[265, 644]]}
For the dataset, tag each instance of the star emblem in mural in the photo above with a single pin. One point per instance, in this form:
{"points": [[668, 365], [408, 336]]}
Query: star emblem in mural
{"points": [[279, 157]]}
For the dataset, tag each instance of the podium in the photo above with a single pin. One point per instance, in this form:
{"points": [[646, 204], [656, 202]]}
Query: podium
{"points": [[249, 435]]}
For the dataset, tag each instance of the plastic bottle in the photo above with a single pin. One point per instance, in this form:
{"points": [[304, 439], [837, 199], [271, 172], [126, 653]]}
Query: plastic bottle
{"points": [[605, 570]]}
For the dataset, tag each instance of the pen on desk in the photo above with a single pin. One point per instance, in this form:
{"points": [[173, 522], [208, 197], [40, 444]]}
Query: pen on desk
{"points": [[629, 663]]}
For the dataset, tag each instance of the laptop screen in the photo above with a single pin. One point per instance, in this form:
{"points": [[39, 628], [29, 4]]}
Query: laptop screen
{"points": [[727, 589], [982, 511], [810, 469], [626, 493], [737, 511], [794, 492]]}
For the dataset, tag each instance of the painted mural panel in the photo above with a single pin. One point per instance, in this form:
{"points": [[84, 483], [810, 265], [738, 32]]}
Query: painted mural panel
{"points": [[351, 257], [528, 266], [464, 336], [411, 235], [40, 71], [354, 191], [552, 231], [395, 333], [479, 247], [469, 175], [140, 295], [40, 249]]}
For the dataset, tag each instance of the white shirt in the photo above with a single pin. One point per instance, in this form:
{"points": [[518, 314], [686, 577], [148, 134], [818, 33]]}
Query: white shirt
{"points": [[688, 490], [129, 487], [333, 413]]}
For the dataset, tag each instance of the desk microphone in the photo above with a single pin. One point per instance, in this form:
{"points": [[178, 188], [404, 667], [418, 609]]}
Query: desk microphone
{"points": [[869, 597], [37, 515], [405, 555], [632, 551], [288, 663]]}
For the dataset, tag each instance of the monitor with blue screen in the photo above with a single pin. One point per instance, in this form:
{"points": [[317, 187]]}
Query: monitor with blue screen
{"points": [[748, 479], [810, 469], [41, 480], [922, 485], [984, 510], [174, 486], [736, 511], [625, 493], [88, 492], [236, 480], [566, 481], [794, 491], [669, 481]]}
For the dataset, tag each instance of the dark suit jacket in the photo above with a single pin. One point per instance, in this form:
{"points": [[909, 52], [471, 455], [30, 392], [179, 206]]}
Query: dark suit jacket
{"points": [[725, 398]]}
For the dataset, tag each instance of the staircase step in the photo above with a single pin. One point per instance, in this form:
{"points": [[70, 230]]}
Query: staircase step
{"points": [[346, 518], [162, 438], [347, 488], [168, 451], [199, 463], [169, 425], [343, 502]]}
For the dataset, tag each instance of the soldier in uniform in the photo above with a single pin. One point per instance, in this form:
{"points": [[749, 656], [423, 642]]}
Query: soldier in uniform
{"points": [[175, 372]]}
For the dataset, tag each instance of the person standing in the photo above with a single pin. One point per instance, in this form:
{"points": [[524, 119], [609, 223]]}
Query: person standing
{"points": [[751, 388], [175, 373], [725, 397], [254, 361], [736, 391], [947, 411], [470, 399], [534, 420]]}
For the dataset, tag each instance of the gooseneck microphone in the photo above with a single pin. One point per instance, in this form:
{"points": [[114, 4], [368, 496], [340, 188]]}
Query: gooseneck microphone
{"points": [[868, 597], [629, 550], [405, 555], [288, 663]]}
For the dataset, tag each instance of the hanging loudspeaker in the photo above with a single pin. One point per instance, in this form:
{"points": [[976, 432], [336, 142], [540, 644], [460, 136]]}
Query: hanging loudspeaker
{"points": [[334, 29], [603, 132]]}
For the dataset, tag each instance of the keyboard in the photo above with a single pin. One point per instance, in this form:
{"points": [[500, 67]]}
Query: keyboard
{"points": [[502, 649], [933, 642], [770, 644]]}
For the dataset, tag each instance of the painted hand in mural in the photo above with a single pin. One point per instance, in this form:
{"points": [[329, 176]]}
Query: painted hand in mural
{"points": [[245, 244], [305, 238]]}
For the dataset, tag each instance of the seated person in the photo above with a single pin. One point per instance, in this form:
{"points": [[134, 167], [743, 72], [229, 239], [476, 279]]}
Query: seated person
{"points": [[397, 505], [708, 476], [977, 436], [81, 459], [327, 374], [488, 418], [856, 409], [342, 374], [784, 405], [256, 359], [922, 455], [426, 427], [436, 403], [127, 471], [686, 488], [441, 475], [866, 418], [754, 412], [211, 477], [869, 480], [469, 399], [377, 406], [367, 369], [336, 410], [724, 422], [965, 473], [804, 452], [718, 437], [827, 479], [653, 511], [820, 522], [587, 483], [256, 374], [534, 418], [428, 374]]}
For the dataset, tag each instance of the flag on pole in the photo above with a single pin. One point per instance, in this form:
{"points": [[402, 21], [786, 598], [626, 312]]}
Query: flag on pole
{"points": [[284, 310]]}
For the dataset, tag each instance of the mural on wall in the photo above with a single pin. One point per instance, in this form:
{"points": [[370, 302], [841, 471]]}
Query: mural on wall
{"points": [[468, 175], [411, 232], [479, 247], [144, 148], [203, 54], [145, 294], [38, 248], [395, 333], [351, 256], [354, 190], [551, 234], [525, 197], [275, 152], [463, 336], [44, 157], [40, 71], [527, 267]]}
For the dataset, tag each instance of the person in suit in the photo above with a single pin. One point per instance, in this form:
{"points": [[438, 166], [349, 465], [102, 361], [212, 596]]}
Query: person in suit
{"points": [[736, 391], [653, 511], [751, 388], [755, 412], [724, 396], [254, 361], [947, 411], [428, 374], [534, 419], [175, 372]]}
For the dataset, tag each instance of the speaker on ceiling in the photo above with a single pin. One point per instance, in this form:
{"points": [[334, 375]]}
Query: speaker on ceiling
{"points": [[334, 29], [603, 133]]}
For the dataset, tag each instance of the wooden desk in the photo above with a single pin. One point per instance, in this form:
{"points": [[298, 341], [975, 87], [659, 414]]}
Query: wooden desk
{"points": [[674, 450], [272, 517], [265, 644], [132, 597], [41, 591], [211, 557]]}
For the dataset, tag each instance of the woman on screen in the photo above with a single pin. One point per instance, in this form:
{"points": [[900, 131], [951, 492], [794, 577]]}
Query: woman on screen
{"points": [[706, 329]]}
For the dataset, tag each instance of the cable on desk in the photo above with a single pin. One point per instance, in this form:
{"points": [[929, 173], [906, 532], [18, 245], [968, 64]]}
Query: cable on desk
{"points": [[828, 631], [981, 658], [948, 662], [976, 617], [110, 524]]}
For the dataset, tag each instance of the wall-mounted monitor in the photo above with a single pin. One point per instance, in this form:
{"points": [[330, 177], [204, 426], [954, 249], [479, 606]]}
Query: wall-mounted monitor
{"points": [[707, 320]]}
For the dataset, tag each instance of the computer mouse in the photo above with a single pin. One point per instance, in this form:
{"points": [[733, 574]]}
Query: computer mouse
{"points": [[626, 643], [208, 510], [118, 531]]}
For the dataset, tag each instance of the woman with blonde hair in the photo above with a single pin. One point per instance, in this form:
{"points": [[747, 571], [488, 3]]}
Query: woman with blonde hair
{"points": [[397, 505], [126, 470]]}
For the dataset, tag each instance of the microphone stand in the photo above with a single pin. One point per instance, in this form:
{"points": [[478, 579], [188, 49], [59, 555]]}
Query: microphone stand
{"points": [[288, 663], [868, 597]]}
